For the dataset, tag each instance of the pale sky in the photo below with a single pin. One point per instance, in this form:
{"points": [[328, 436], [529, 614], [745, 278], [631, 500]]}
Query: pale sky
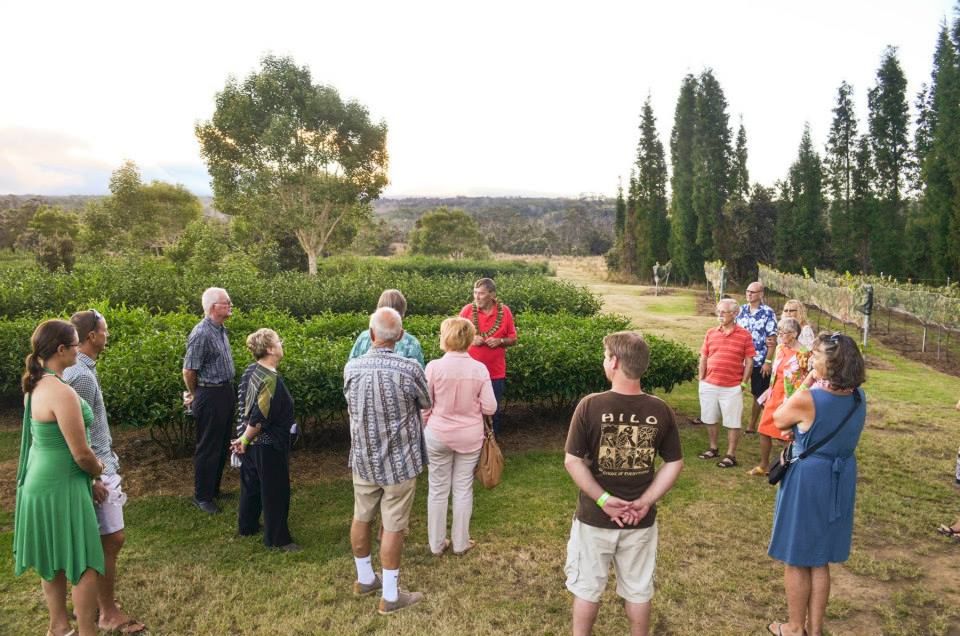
{"points": [[493, 98]]}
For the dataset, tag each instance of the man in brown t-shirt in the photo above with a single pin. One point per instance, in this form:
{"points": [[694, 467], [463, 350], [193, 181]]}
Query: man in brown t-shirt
{"points": [[613, 439]]}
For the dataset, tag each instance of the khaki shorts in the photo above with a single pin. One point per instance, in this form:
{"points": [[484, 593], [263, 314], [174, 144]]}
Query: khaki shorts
{"points": [[110, 512], [394, 502], [632, 551]]}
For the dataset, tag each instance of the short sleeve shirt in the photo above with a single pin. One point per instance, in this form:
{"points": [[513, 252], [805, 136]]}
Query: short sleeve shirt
{"points": [[407, 347], [494, 359], [760, 323], [208, 353], [725, 353], [619, 436]]}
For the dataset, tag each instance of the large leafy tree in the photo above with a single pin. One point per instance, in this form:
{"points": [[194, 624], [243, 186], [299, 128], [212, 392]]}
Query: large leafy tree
{"points": [[889, 126], [449, 233], [748, 232], [138, 216], [686, 257], [53, 234], [650, 195], [292, 157]]}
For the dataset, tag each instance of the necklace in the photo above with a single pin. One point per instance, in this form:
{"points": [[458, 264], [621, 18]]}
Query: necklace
{"points": [[476, 321]]}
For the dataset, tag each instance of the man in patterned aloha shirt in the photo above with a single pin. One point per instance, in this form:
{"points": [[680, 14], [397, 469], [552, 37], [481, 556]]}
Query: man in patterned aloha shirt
{"points": [[385, 394], [761, 321]]}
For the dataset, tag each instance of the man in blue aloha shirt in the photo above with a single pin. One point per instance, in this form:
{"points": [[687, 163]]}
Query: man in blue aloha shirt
{"points": [[761, 321]]}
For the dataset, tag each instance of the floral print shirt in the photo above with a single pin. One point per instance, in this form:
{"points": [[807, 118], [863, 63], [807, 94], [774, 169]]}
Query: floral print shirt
{"points": [[760, 323]]}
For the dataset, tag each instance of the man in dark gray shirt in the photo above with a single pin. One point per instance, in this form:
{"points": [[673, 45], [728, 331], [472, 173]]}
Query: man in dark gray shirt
{"points": [[208, 374]]}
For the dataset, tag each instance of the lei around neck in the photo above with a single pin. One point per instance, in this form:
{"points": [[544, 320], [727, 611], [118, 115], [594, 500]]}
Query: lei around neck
{"points": [[475, 317]]}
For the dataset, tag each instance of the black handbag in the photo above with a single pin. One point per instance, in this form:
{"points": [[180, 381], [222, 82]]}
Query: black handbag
{"points": [[780, 465]]}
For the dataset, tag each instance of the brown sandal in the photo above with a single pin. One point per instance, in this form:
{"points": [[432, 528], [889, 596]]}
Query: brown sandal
{"points": [[728, 461]]}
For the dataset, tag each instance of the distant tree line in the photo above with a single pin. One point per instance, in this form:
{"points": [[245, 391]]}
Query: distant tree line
{"points": [[875, 200]]}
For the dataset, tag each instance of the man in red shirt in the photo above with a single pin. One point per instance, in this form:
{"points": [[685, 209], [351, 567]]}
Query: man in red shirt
{"points": [[726, 362], [495, 332]]}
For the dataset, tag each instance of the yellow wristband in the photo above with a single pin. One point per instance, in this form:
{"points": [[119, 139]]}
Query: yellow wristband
{"points": [[244, 440], [602, 499]]}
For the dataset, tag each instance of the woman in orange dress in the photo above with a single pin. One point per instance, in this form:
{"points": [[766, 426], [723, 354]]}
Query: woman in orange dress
{"points": [[788, 372]]}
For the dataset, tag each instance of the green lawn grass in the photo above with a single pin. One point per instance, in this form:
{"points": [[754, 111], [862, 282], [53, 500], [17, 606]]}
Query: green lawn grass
{"points": [[185, 573]]}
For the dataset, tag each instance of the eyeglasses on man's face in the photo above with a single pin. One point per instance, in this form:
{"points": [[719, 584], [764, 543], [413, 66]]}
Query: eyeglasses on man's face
{"points": [[227, 303]]}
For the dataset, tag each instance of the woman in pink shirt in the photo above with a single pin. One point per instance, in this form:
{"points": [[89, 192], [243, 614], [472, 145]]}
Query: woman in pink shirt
{"points": [[461, 393]]}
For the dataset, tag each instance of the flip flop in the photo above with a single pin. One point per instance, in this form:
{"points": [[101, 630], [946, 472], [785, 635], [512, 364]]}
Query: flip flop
{"points": [[947, 531], [756, 471], [132, 626], [779, 631], [443, 548], [710, 453]]}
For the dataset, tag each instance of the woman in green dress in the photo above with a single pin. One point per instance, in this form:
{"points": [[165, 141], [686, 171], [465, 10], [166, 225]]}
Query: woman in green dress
{"points": [[55, 526]]}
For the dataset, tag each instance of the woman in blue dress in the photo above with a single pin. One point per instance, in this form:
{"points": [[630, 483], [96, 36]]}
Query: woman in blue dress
{"points": [[813, 519]]}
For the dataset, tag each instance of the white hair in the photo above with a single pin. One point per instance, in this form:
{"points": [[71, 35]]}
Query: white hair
{"points": [[386, 324], [210, 296], [729, 303]]}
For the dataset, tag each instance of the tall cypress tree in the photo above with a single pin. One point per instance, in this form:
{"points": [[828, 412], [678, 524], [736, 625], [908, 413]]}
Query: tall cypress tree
{"points": [[739, 175], [838, 173], [938, 136], [711, 160], [651, 194], [628, 262], [889, 124], [685, 256], [621, 211], [800, 226], [863, 207]]}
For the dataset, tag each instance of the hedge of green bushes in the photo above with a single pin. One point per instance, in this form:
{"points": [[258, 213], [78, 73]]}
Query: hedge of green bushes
{"points": [[557, 360], [345, 285]]}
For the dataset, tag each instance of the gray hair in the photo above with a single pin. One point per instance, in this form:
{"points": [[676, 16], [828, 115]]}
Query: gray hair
{"points": [[790, 323], [211, 296], [386, 324], [729, 303]]}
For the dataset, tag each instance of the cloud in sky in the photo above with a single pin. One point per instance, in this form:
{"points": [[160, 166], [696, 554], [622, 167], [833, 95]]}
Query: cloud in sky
{"points": [[55, 163], [504, 96]]}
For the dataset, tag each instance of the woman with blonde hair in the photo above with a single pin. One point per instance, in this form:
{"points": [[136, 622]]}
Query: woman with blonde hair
{"points": [[462, 394], [794, 309], [264, 420], [55, 529]]}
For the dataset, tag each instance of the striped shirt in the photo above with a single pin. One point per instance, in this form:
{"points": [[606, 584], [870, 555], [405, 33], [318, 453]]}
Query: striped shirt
{"points": [[725, 353], [208, 353], [385, 393], [82, 376]]}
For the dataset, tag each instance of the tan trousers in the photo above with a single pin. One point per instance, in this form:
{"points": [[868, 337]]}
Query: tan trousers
{"points": [[449, 471]]}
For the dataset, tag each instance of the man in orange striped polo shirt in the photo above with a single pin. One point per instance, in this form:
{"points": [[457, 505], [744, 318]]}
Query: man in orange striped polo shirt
{"points": [[726, 362]]}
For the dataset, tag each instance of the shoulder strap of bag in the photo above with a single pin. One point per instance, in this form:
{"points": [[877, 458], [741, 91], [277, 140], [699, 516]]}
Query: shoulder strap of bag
{"points": [[856, 404]]}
